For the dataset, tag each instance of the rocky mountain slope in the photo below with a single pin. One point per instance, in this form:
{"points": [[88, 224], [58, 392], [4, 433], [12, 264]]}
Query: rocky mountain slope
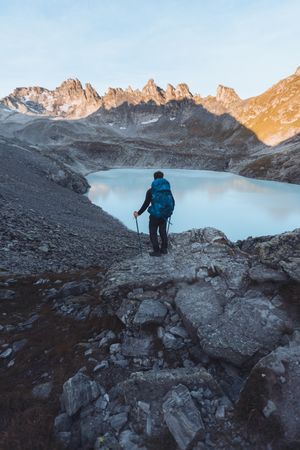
{"points": [[273, 116], [68, 100], [46, 224]]}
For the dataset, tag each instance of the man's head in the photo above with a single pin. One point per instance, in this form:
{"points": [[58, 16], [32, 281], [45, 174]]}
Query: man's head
{"points": [[158, 174]]}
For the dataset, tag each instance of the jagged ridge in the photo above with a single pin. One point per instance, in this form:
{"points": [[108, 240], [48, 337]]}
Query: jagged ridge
{"points": [[273, 116]]}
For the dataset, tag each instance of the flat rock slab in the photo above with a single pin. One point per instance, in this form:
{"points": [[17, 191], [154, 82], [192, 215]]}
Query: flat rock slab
{"points": [[261, 274], [150, 312], [182, 417], [197, 304], [194, 255], [249, 328]]}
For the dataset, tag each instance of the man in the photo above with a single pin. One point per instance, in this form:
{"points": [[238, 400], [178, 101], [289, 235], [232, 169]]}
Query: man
{"points": [[162, 206]]}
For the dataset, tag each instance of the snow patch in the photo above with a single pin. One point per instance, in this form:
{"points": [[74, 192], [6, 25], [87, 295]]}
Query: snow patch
{"points": [[172, 118], [150, 121], [123, 128]]}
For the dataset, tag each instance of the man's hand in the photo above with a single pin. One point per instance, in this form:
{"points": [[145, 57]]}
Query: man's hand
{"points": [[136, 214]]}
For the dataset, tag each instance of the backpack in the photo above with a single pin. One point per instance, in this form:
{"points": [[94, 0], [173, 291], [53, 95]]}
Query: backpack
{"points": [[162, 201]]}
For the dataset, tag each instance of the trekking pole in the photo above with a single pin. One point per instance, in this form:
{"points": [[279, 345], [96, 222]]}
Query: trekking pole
{"points": [[138, 232], [168, 231], [169, 223]]}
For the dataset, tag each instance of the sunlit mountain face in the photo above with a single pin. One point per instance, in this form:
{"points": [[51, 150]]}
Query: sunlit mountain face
{"points": [[273, 116]]}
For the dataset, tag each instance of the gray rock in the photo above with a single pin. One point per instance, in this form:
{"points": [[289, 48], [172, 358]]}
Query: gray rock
{"points": [[218, 257], [44, 248], [220, 413], [7, 294], [198, 304], [118, 421], [6, 353], [131, 441], [150, 312], [269, 409], [182, 417], [102, 403], [42, 391], [261, 274], [107, 339], [102, 365], [126, 310], [115, 348], [282, 252], [179, 331], [74, 288], [273, 389], [52, 294], [171, 342], [249, 328], [78, 391], [136, 346]]}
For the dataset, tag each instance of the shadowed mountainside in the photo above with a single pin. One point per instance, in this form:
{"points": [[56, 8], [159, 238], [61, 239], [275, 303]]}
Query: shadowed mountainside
{"points": [[176, 134], [273, 115]]}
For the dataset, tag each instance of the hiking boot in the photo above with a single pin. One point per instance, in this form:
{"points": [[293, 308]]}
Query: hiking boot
{"points": [[164, 251], [155, 254]]}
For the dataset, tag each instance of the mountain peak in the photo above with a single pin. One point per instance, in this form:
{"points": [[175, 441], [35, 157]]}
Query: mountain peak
{"points": [[227, 95], [71, 83], [152, 92], [182, 91], [297, 71], [150, 86]]}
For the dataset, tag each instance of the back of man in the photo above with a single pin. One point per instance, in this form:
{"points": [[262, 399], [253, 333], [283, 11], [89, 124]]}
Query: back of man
{"points": [[162, 206]]}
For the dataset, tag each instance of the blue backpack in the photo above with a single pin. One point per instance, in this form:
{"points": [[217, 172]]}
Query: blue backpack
{"points": [[162, 201]]}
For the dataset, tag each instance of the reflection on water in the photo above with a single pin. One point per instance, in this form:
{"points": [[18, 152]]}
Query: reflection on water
{"points": [[239, 206]]}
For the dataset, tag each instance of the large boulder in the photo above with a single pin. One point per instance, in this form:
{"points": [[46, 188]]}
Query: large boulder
{"points": [[271, 395], [238, 330], [195, 255], [197, 304], [78, 391], [150, 312], [282, 251], [247, 329]]}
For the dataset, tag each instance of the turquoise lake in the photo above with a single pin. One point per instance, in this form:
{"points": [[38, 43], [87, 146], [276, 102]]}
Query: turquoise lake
{"points": [[238, 206]]}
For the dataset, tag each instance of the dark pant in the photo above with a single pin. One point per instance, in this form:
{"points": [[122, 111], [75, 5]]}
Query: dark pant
{"points": [[161, 224]]}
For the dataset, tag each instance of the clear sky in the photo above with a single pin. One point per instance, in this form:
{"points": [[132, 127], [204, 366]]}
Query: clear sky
{"points": [[245, 44]]}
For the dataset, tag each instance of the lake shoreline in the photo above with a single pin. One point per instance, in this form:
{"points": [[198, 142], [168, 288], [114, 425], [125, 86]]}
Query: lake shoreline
{"points": [[279, 205]]}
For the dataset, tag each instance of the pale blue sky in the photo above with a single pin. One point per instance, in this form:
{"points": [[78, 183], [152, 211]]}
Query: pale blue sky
{"points": [[245, 44]]}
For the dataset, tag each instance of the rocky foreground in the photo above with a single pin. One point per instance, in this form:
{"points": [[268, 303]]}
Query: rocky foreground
{"points": [[196, 350]]}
